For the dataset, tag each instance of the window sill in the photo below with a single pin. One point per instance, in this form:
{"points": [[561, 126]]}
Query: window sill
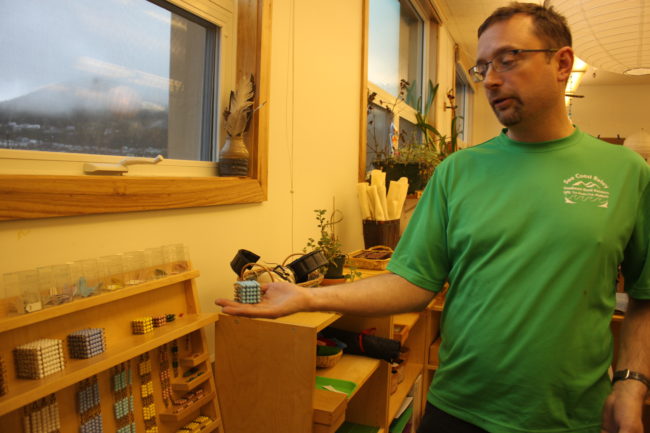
{"points": [[29, 196]]}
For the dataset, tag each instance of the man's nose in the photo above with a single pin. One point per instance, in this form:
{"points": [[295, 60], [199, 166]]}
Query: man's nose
{"points": [[492, 77]]}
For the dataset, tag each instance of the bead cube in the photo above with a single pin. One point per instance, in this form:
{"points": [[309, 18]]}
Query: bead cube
{"points": [[248, 292], [39, 358], [86, 343], [142, 325]]}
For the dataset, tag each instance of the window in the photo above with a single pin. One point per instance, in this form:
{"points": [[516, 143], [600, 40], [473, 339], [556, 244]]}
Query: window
{"points": [[114, 78], [401, 43], [26, 192], [463, 101], [395, 47]]}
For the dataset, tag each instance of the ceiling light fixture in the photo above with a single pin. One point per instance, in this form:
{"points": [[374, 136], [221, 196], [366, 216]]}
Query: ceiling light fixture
{"points": [[612, 35]]}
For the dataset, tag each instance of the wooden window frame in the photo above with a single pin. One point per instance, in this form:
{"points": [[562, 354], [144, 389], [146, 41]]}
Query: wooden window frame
{"points": [[399, 109], [43, 196]]}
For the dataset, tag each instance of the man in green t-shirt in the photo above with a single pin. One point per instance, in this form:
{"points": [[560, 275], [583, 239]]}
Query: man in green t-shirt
{"points": [[529, 230]]}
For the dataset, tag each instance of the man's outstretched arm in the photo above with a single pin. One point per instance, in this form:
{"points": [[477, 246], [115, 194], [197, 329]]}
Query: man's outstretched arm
{"points": [[374, 296]]}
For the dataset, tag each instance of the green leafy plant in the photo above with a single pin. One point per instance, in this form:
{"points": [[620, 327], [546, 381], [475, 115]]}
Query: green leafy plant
{"points": [[328, 242], [425, 148]]}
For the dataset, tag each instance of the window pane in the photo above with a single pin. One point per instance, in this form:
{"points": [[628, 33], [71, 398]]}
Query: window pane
{"points": [[462, 101], [108, 77], [378, 134], [409, 133], [395, 47]]}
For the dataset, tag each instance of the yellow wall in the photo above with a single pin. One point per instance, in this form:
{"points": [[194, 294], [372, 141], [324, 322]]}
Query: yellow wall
{"points": [[612, 110], [313, 153]]}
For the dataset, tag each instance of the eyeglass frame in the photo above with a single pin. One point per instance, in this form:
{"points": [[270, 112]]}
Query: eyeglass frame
{"points": [[475, 74]]}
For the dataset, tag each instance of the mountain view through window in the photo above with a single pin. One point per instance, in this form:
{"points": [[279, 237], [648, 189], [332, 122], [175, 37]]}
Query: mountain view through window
{"points": [[113, 77]]}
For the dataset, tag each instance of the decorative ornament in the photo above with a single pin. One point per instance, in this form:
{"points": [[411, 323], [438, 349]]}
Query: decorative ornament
{"points": [[233, 157]]}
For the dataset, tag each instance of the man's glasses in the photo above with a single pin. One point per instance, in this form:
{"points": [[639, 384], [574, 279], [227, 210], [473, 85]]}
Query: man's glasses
{"points": [[501, 62]]}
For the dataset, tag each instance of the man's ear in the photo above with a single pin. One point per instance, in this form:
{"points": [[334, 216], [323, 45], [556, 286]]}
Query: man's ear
{"points": [[564, 58]]}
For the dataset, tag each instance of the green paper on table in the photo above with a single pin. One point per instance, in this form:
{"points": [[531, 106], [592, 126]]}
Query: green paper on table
{"points": [[348, 427], [344, 386]]}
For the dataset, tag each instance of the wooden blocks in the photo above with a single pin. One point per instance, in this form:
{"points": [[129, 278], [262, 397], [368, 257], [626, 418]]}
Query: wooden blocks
{"points": [[39, 358]]}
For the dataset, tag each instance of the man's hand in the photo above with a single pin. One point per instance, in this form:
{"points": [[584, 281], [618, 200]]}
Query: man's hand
{"points": [[278, 299], [623, 408]]}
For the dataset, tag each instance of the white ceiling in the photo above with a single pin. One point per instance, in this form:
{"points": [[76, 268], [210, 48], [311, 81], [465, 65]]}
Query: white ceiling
{"points": [[463, 18]]}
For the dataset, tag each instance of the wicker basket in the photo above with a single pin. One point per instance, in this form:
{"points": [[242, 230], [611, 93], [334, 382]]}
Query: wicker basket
{"points": [[357, 258], [328, 361]]}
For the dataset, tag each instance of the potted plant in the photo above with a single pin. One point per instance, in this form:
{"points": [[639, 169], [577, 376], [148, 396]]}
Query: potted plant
{"points": [[416, 154], [329, 243]]}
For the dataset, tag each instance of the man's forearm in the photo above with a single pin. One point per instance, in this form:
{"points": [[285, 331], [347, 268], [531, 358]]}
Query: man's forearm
{"points": [[634, 351], [375, 296]]}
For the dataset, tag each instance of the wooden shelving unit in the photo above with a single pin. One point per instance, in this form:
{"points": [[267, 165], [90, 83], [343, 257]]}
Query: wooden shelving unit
{"points": [[267, 370], [114, 311]]}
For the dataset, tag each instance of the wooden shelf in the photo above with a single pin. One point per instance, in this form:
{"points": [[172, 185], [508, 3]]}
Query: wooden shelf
{"points": [[178, 385], [169, 416], [214, 425], [25, 391], [318, 321], [407, 319], [354, 368], [113, 312], [190, 362], [282, 352], [408, 322], [411, 373], [15, 322]]}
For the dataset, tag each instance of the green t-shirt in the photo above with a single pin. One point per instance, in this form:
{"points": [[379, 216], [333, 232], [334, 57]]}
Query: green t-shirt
{"points": [[529, 236]]}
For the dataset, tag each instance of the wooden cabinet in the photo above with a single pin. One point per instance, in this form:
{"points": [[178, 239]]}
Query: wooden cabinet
{"points": [[267, 370], [432, 338], [113, 312]]}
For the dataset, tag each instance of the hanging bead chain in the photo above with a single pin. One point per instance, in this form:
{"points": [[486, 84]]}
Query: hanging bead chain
{"points": [[146, 392], [42, 416], [165, 382], [122, 387], [88, 406]]}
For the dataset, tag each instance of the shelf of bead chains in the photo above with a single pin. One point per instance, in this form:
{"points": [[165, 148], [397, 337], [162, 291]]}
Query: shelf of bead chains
{"points": [[186, 382], [25, 391]]}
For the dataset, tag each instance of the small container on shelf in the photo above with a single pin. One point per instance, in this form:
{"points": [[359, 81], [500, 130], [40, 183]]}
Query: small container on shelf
{"points": [[155, 263], [111, 271], [29, 290], [12, 301], [133, 264], [176, 258], [85, 275]]}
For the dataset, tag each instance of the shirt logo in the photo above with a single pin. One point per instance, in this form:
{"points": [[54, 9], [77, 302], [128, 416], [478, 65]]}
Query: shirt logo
{"points": [[586, 188]]}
